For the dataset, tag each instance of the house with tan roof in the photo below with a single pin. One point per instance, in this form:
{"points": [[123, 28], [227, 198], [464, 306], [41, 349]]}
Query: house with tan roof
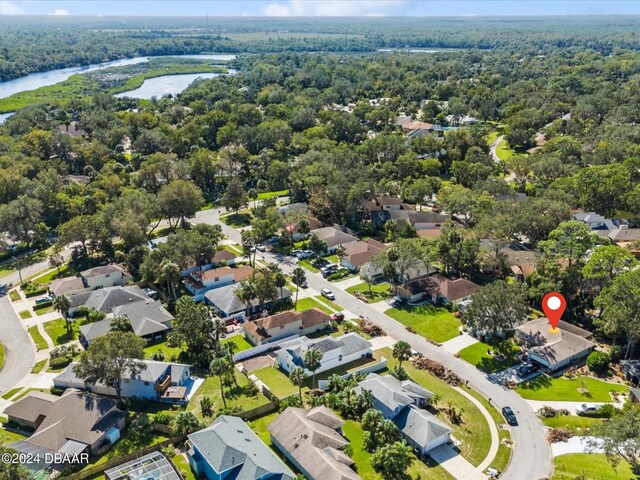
{"points": [[201, 281], [554, 350], [98, 277], [436, 288], [73, 423], [285, 324], [333, 237], [220, 258], [360, 253], [312, 441]]}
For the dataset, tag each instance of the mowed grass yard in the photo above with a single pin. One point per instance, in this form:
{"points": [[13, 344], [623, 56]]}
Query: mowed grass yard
{"points": [[277, 381], [578, 425], [544, 387], [379, 291], [240, 341], [57, 331], [308, 303], [593, 466], [473, 433], [435, 323], [477, 355], [236, 397], [38, 339]]}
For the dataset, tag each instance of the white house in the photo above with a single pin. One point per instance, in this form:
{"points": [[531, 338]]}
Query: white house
{"points": [[202, 281], [99, 277], [159, 381], [335, 351]]}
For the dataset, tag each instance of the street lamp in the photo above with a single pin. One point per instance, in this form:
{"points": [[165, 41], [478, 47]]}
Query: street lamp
{"points": [[18, 263]]}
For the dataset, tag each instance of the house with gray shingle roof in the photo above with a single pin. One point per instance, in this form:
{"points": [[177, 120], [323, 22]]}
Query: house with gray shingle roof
{"points": [[335, 351], [98, 277], [421, 429], [158, 381], [229, 449], [227, 303]]}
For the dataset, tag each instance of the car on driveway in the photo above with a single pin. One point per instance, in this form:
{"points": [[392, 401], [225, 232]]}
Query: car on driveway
{"points": [[326, 293], [338, 317], [44, 299], [261, 247], [526, 369], [508, 414], [587, 409], [328, 270]]}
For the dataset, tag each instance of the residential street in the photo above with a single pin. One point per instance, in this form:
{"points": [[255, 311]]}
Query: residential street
{"points": [[532, 458], [19, 352]]}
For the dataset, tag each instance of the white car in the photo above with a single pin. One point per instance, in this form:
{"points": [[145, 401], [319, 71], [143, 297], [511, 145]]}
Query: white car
{"points": [[326, 293], [587, 409]]}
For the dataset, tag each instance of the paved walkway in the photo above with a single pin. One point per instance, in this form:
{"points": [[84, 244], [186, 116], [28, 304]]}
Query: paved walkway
{"points": [[459, 343], [574, 445], [349, 282], [450, 459]]}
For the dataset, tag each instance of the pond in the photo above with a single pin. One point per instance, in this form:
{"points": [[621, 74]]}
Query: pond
{"points": [[165, 85]]}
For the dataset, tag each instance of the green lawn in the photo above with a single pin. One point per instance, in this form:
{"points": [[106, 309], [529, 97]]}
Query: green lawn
{"points": [[418, 469], [44, 310], [378, 291], [37, 368], [477, 355], [1, 356], [182, 464], [14, 295], [11, 393], [544, 387], [237, 220], [309, 303], [277, 193], [25, 314], [41, 343], [57, 331], [240, 342], [170, 353], [277, 381], [126, 445], [236, 397], [578, 425], [7, 436], [593, 466], [435, 323], [307, 264], [504, 151], [329, 303], [65, 271], [474, 432], [28, 390], [332, 258]]}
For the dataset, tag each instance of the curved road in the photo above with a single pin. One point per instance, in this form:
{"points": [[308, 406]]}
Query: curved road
{"points": [[532, 458]]}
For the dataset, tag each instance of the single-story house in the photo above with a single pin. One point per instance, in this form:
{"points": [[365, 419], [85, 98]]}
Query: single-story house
{"points": [[227, 304], [153, 465], [229, 449], [333, 237], [149, 320], [554, 350], [402, 403], [596, 221], [99, 277], [383, 202], [436, 288], [105, 299], [73, 423], [220, 258], [357, 254], [419, 220], [312, 441], [202, 281], [336, 351], [284, 324], [159, 381], [624, 234]]}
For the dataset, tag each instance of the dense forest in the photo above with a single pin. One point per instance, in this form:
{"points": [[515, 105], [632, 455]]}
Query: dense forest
{"points": [[280, 123], [34, 44]]}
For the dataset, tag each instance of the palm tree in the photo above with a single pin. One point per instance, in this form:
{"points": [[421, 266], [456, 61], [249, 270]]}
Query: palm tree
{"points": [[220, 367], [62, 305], [218, 329], [185, 423], [170, 273], [121, 323], [297, 377], [246, 293], [280, 280], [298, 277], [313, 361], [401, 351]]}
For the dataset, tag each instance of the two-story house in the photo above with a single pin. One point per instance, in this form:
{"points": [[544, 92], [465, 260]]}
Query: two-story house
{"points": [[285, 324], [201, 281], [94, 278]]}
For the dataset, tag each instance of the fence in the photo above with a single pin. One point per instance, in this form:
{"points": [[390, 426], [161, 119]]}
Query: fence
{"points": [[260, 349], [114, 462], [259, 411]]}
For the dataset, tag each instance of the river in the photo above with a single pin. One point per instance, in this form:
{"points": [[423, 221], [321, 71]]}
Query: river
{"points": [[43, 79], [165, 85]]}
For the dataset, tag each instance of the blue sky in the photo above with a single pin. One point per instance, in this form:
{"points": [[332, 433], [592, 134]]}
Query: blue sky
{"points": [[318, 7]]}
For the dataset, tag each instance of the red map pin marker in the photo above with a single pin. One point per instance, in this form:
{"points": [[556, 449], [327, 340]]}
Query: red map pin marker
{"points": [[554, 305]]}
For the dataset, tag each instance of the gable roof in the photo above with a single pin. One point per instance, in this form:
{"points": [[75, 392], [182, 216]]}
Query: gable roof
{"points": [[333, 237], [153, 372], [311, 439], [347, 344], [240, 274], [226, 300], [103, 270], [228, 442], [419, 425], [412, 217], [30, 407], [263, 327], [393, 393], [358, 253], [78, 416], [60, 286], [624, 234]]}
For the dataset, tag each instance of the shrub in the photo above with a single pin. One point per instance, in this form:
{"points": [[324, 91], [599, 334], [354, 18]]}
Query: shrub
{"points": [[59, 362], [158, 355], [163, 418], [598, 362], [399, 372], [549, 412], [607, 410]]}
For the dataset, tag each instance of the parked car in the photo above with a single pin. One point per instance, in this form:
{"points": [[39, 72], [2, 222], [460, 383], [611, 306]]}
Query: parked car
{"points": [[526, 369], [338, 317], [305, 254], [274, 239], [295, 253], [396, 301], [328, 270], [508, 414], [326, 293], [261, 247], [587, 409], [44, 299]]}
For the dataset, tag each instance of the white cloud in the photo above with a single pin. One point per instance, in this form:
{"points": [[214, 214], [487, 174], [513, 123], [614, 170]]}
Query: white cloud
{"points": [[60, 12], [9, 8], [332, 8]]}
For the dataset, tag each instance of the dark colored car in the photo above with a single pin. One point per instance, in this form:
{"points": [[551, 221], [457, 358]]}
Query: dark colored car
{"points": [[526, 369], [509, 416], [338, 317]]}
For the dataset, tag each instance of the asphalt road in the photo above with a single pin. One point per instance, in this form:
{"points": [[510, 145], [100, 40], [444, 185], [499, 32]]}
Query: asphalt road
{"points": [[531, 459]]}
